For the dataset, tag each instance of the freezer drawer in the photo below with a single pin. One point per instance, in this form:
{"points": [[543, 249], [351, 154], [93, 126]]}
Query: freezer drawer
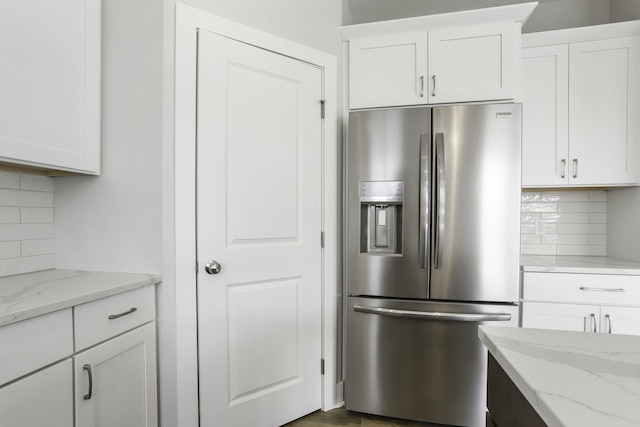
{"points": [[420, 360]]}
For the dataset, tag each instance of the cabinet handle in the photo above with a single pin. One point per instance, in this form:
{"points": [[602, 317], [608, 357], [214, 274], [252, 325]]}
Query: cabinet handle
{"points": [[575, 168], [585, 288], [594, 320], [563, 167], [433, 79], [88, 369], [115, 316], [421, 86], [607, 318]]}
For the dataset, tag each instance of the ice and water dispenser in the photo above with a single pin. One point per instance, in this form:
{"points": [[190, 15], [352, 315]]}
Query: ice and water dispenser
{"points": [[381, 217]]}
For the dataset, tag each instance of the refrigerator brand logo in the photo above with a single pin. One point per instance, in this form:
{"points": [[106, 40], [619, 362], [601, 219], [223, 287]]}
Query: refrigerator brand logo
{"points": [[505, 115]]}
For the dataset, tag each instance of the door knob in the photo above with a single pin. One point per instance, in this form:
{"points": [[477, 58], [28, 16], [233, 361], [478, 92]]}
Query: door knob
{"points": [[212, 267]]}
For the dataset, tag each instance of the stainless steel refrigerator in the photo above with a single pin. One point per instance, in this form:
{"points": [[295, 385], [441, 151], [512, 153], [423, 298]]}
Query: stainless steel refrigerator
{"points": [[433, 243]]}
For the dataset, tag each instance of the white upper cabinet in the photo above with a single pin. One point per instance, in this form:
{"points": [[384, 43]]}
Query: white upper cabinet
{"points": [[545, 122], [603, 106], [388, 70], [437, 59], [473, 63], [581, 100], [50, 84]]}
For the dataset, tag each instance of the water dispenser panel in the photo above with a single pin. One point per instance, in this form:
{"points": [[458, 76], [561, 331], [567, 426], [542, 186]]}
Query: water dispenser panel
{"points": [[381, 217]]}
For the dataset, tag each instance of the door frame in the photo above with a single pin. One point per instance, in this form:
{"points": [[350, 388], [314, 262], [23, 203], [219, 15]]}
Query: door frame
{"points": [[188, 21]]}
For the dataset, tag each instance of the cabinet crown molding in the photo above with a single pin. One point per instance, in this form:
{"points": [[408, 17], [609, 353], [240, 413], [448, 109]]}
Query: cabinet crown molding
{"points": [[582, 34], [510, 13]]}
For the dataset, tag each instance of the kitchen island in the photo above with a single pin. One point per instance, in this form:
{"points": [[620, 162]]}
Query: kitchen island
{"points": [[567, 378]]}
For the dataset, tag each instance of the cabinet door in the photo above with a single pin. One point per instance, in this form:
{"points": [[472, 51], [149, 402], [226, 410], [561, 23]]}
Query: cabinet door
{"points": [[545, 123], [41, 399], [473, 63], [387, 70], [565, 317], [604, 111], [620, 320], [115, 382], [50, 84]]}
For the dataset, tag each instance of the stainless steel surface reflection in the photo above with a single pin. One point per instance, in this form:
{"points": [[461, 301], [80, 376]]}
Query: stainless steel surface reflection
{"points": [[433, 241], [422, 369]]}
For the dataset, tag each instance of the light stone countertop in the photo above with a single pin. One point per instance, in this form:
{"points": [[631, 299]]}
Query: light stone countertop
{"points": [[572, 379], [33, 294], [578, 264]]}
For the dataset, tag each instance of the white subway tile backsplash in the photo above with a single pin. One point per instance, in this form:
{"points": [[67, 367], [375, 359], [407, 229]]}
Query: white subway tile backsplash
{"points": [[565, 196], [36, 215], [599, 207], [9, 180], [9, 215], [576, 222], [9, 267], [36, 183], [9, 250], [598, 196], [26, 198], [539, 207], [25, 231], [531, 197], [38, 247], [26, 223]]}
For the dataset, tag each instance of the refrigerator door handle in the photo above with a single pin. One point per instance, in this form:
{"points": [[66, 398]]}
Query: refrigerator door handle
{"points": [[435, 315], [440, 200], [425, 161]]}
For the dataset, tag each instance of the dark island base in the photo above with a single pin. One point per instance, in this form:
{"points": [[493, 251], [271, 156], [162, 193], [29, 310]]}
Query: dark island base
{"points": [[507, 405]]}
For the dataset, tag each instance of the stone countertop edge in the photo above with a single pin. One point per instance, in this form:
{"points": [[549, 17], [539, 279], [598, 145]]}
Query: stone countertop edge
{"points": [[571, 378], [578, 264], [29, 295]]}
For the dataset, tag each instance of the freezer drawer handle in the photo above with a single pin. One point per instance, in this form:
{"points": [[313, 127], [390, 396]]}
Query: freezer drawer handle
{"points": [[584, 288], [456, 317]]}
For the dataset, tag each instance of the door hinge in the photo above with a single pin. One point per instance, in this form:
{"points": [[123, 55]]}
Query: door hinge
{"points": [[322, 108], [322, 239], [197, 266], [321, 366]]}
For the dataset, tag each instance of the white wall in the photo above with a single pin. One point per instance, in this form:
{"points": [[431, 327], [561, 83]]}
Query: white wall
{"points": [[310, 22], [553, 15], [625, 10], [113, 222], [624, 205]]}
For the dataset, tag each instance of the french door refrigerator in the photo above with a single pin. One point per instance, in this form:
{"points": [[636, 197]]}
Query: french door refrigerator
{"points": [[433, 243]]}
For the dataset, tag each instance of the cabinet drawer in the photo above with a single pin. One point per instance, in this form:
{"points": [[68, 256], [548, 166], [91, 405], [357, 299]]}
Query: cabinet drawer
{"points": [[100, 320], [31, 344], [582, 288]]}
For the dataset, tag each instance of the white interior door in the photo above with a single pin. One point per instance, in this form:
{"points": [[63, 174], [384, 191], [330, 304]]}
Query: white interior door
{"points": [[259, 133]]}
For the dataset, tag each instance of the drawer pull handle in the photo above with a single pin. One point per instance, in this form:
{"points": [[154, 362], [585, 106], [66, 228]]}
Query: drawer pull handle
{"points": [[584, 288], [115, 316], [88, 369]]}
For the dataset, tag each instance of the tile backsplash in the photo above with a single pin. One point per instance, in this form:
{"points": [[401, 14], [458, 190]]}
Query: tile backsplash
{"points": [[567, 222], [26, 223]]}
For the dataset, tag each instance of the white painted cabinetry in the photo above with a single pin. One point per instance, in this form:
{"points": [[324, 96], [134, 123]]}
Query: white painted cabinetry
{"points": [[582, 302], [50, 84], [115, 382], [580, 104], [101, 353], [387, 70], [476, 63], [471, 63]]}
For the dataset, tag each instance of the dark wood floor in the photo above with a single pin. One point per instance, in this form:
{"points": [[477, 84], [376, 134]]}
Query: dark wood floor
{"points": [[343, 418]]}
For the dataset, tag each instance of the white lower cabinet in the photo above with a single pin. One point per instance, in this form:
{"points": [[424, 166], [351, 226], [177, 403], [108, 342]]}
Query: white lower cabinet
{"points": [[115, 382], [101, 353], [44, 398], [596, 303]]}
